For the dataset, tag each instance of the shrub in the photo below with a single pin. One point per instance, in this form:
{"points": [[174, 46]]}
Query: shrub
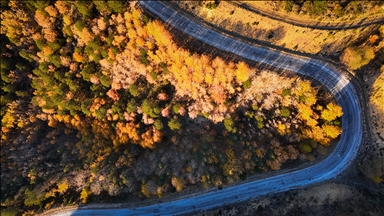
{"points": [[260, 122], [116, 6], [286, 92], [305, 148], [55, 59], [211, 6], [288, 6], [150, 108], [247, 84], [174, 124], [158, 124], [84, 8], [143, 57], [285, 112], [356, 57], [134, 90], [229, 124], [105, 81], [319, 7], [132, 106], [80, 25], [176, 108], [85, 105], [33, 198], [9, 211]]}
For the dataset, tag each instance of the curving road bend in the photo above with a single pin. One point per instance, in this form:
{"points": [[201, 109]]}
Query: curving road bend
{"points": [[376, 19], [339, 84]]}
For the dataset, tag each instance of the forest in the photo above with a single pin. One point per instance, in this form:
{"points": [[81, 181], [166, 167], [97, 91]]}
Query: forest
{"points": [[99, 103]]}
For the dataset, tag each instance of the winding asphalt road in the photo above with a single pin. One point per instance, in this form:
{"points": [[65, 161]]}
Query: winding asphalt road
{"points": [[338, 83], [375, 19]]}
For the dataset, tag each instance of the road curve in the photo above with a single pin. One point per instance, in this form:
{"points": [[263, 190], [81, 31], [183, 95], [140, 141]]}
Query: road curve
{"points": [[338, 84], [311, 24]]}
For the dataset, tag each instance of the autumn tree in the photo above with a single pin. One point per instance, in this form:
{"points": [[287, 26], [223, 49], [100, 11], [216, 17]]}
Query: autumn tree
{"points": [[331, 112], [356, 57], [174, 124]]}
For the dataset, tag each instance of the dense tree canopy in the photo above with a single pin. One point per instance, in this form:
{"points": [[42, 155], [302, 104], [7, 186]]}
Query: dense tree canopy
{"points": [[98, 101]]}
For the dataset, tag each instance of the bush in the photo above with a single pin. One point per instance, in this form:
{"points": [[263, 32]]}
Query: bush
{"points": [[174, 124], [229, 124], [132, 106], [101, 112], [101, 6], [116, 6], [146, 19], [55, 60], [27, 56], [54, 46], [285, 112], [288, 6], [87, 71], [255, 107], [158, 124], [150, 108], [84, 8], [134, 90], [305, 148], [105, 81], [176, 108], [319, 7], [211, 6], [286, 92], [85, 105], [40, 44], [143, 57], [33, 198], [356, 57], [247, 84], [9, 211], [80, 25], [260, 122]]}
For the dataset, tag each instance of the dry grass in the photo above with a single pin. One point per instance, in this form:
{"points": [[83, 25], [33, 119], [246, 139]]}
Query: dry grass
{"points": [[277, 7], [281, 34]]}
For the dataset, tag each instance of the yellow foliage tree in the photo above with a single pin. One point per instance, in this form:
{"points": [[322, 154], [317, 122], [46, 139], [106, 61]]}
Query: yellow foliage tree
{"points": [[317, 134], [281, 128], [178, 183], [332, 112], [62, 187], [78, 57], [331, 131], [84, 195], [61, 7], [51, 11], [305, 111], [126, 132], [242, 72], [42, 20], [14, 23]]}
